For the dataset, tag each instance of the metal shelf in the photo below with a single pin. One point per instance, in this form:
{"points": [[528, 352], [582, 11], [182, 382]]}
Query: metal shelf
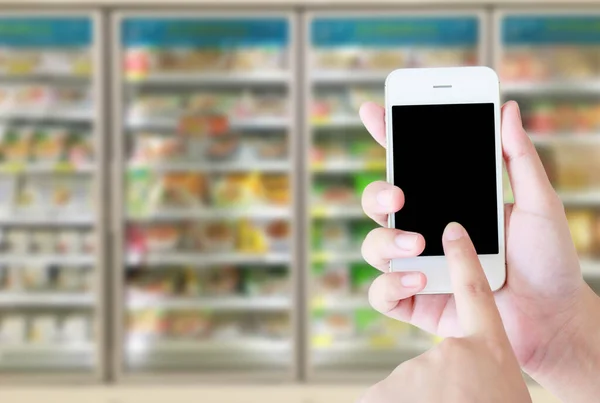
{"points": [[45, 300], [590, 268], [233, 303], [580, 198], [340, 303], [47, 260], [183, 258], [345, 77], [341, 212], [47, 219], [350, 256], [45, 168], [172, 123], [214, 79], [553, 87], [565, 138], [238, 345], [343, 167], [234, 166], [261, 212], [338, 122], [64, 116]]}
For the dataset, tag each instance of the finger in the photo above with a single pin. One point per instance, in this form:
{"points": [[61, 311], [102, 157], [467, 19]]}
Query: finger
{"points": [[373, 117], [475, 305], [380, 199], [384, 244], [390, 288], [531, 187]]}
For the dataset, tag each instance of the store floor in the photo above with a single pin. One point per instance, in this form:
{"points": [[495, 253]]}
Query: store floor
{"points": [[182, 394]]}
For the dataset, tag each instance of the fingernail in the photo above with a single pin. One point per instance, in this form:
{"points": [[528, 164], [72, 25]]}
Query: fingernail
{"points": [[406, 241], [384, 198], [411, 280], [454, 231]]}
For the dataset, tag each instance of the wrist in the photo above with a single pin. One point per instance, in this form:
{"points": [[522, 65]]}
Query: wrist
{"points": [[571, 361]]}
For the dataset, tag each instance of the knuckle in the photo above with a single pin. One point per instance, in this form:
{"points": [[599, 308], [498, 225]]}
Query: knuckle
{"points": [[476, 289], [498, 351]]}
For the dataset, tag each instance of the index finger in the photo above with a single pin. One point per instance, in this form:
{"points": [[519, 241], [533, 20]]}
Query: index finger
{"points": [[475, 305]]}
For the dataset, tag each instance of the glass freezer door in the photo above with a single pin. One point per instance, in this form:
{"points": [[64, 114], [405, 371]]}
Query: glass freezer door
{"points": [[207, 226], [349, 57], [550, 64], [49, 167]]}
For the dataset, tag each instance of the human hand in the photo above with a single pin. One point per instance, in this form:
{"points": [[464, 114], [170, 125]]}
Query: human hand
{"points": [[479, 367], [547, 308]]}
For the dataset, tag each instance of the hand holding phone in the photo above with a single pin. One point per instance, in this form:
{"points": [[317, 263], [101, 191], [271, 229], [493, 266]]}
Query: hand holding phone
{"points": [[478, 367], [444, 152]]}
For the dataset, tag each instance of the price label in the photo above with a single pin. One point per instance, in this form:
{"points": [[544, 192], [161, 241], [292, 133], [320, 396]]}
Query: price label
{"points": [[317, 166], [320, 120], [64, 167], [321, 257], [322, 340], [318, 303], [319, 212]]}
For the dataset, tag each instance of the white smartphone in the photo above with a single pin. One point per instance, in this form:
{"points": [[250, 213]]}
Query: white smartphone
{"points": [[444, 151]]}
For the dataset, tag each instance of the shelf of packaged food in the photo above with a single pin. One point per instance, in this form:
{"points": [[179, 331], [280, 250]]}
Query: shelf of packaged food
{"points": [[590, 268], [580, 198], [337, 122], [229, 166], [228, 303], [39, 77], [183, 258], [47, 219], [260, 212], [75, 116], [45, 300], [350, 212], [340, 303], [350, 256], [347, 166], [279, 77], [370, 343], [566, 138], [239, 345], [552, 87], [46, 260], [240, 124], [34, 356], [44, 168], [345, 77]]}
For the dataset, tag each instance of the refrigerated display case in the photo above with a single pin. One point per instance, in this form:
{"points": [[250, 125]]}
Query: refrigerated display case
{"points": [[549, 61], [51, 144], [205, 138], [348, 57]]}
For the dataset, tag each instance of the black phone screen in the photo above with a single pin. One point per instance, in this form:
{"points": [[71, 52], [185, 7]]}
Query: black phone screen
{"points": [[445, 162]]}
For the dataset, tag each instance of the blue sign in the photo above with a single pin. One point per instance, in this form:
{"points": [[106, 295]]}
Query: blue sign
{"points": [[540, 30], [42, 32], [199, 33], [395, 31]]}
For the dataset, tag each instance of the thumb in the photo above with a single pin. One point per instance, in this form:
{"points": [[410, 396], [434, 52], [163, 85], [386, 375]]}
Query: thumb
{"points": [[475, 304]]}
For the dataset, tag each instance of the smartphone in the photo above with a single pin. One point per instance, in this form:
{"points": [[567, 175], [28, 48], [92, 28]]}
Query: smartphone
{"points": [[444, 151]]}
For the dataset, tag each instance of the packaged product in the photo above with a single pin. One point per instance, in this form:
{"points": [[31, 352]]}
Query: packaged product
{"points": [[217, 236], [266, 282], [332, 280], [13, 329], [147, 323], [139, 183], [581, 224], [75, 328], [221, 281], [338, 59], [190, 324], [88, 279], [32, 98], [8, 186], [269, 148], [161, 237], [17, 143], [573, 62], [178, 190], [49, 145], [223, 148], [44, 329], [275, 326], [227, 328], [541, 118], [149, 106], [251, 237], [334, 192], [336, 236], [337, 325], [72, 98], [80, 149], [237, 190], [43, 241], [68, 242], [17, 241], [208, 103], [258, 58], [277, 234], [277, 189], [150, 148], [35, 277], [367, 150], [88, 242], [383, 59], [69, 279], [22, 62]]}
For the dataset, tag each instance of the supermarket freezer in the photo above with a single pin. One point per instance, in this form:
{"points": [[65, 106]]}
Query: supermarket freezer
{"points": [[549, 61], [205, 139], [51, 171], [347, 57]]}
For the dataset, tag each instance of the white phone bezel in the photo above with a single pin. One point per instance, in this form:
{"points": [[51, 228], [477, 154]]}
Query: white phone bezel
{"points": [[456, 85]]}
